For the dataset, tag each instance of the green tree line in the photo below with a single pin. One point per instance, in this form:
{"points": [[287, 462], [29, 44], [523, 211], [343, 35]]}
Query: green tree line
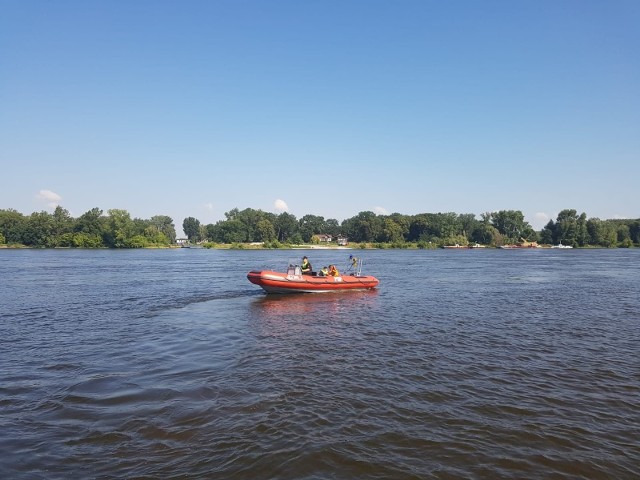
{"points": [[92, 229], [117, 229], [424, 229]]}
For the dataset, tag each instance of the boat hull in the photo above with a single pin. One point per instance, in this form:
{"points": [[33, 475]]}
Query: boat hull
{"points": [[279, 282]]}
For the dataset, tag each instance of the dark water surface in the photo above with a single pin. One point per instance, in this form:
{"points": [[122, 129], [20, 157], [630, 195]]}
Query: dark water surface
{"points": [[462, 364]]}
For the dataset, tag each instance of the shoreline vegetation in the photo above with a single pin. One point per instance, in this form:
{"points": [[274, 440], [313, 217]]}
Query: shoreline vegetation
{"points": [[255, 229], [252, 246]]}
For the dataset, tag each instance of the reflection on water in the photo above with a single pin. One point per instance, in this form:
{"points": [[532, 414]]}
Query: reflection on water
{"points": [[290, 315], [472, 364], [314, 304]]}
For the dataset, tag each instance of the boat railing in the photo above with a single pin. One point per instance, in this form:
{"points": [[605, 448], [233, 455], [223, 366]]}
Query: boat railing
{"points": [[354, 268]]}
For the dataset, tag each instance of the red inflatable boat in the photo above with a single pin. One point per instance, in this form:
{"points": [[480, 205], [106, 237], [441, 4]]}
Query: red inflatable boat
{"points": [[293, 281]]}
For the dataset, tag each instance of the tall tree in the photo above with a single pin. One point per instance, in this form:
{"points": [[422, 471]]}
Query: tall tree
{"points": [[418, 228], [265, 231], [623, 235], [566, 231], [403, 222], [391, 232], [286, 227], [90, 222], [548, 232], [601, 232], [364, 227], [309, 225], [634, 231], [486, 234], [232, 214], [12, 225], [120, 228], [467, 223], [249, 219], [332, 227], [62, 221], [581, 230], [191, 228], [38, 231], [233, 231], [512, 225], [164, 224]]}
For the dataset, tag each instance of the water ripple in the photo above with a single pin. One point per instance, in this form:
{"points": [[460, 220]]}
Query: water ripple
{"points": [[170, 365]]}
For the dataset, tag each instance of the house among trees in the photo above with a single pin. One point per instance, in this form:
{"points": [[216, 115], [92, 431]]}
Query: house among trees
{"points": [[323, 238], [342, 241]]}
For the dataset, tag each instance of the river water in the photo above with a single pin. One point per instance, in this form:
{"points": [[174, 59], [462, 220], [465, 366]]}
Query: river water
{"points": [[462, 364]]}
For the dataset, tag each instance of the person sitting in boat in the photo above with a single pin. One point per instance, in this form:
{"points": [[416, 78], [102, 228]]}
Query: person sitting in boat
{"points": [[324, 272], [333, 271], [306, 266]]}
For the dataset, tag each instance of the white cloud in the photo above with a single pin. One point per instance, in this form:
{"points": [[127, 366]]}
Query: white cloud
{"points": [[380, 211], [52, 199], [540, 219], [208, 206], [281, 205]]}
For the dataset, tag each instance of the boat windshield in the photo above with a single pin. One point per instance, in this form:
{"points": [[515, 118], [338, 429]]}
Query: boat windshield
{"points": [[293, 268]]}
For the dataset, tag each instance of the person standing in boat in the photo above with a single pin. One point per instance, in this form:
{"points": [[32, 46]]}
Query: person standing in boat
{"points": [[353, 264], [306, 267]]}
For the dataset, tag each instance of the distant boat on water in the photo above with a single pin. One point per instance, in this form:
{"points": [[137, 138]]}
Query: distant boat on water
{"points": [[560, 245], [477, 245]]}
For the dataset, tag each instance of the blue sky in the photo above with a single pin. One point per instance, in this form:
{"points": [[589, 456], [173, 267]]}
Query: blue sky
{"points": [[321, 107]]}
